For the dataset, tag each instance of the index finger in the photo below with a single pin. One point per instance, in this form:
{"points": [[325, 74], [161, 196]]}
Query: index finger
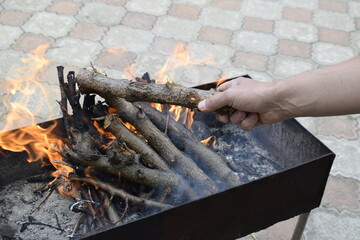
{"points": [[214, 102]]}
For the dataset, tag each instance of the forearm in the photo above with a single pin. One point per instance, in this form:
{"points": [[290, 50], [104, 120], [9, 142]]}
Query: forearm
{"points": [[333, 90]]}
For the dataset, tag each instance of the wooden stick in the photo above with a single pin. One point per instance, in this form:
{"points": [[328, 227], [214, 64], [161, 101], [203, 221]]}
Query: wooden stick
{"points": [[90, 82], [213, 164], [162, 144]]}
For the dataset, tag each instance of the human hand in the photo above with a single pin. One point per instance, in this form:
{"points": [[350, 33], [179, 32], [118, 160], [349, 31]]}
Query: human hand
{"points": [[254, 101]]}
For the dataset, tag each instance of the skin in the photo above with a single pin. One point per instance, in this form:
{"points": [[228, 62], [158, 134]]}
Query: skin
{"points": [[328, 91]]}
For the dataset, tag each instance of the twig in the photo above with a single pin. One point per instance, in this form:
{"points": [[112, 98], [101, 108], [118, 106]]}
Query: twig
{"points": [[43, 201], [32, 221]]}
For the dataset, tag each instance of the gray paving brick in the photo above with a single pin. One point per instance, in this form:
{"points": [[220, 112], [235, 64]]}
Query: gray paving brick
{"points": [[176, 28], [306, 4], [154, 7], [8, 35], [298, 31], [214, 17], [271, 10], [102, 14], [354, 9], [286, 66], [193, 2], [334, 20], [254, 42], [73, 51], [50, 24], [10, 59], [355, 39], [327, 53], [135, 40], [27, 6]]}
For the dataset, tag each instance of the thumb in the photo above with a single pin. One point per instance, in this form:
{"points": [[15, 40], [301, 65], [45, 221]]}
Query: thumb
{"points": [[214, 102]]}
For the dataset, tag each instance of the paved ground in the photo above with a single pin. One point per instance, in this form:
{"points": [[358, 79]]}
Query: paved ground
{"points": [[270, 40]]}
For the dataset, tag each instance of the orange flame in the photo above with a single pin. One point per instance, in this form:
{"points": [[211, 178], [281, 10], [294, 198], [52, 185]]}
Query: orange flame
{"points": [[108, 135], [221, 80], [206, 141], [39, 142], [121, 50]]}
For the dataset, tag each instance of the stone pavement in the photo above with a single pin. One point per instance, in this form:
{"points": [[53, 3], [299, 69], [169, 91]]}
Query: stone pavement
{"points": [[269, 40]]}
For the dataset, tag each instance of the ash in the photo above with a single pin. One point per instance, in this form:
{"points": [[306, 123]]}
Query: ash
{"points": [[242, 152], [17, 201]]}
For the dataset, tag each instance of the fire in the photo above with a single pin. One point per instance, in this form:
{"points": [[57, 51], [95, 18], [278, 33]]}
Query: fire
{"points": [[39, 142], [221, 80], [120, 50], [206, 141], [108, 135]]}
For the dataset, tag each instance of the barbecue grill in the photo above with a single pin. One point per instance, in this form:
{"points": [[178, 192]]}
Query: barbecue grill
{"points": [[294, 187]]}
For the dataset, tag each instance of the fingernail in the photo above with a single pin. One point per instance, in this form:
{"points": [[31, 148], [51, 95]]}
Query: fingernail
{"points": [[201, 105]]}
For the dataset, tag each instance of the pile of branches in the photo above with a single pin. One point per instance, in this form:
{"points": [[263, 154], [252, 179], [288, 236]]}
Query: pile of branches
{"points": [[119, 173]]}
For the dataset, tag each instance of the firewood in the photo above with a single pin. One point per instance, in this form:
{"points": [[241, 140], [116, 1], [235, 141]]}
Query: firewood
{"points": [[92, 82], [162, 144], [213, 164]]}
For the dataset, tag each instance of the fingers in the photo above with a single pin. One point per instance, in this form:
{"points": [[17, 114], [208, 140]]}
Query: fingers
{"points": [[247, 121], [215, 102], [251, 121], [237, 117]]}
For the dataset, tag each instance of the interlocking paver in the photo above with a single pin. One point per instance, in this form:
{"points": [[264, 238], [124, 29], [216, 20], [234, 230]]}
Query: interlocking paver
{"points": [[334, 20], [305, 4], [13, 17], [193, 2], [211, 54], [271, 10], [334, 36], [287, 66], [74, 51], [298, 31], [355, 39], [184, 11], [177, 28], [50, 24], [294, 48], [113, 2], [101, 13], [135, 40], [197, 75], [139, 20], [65, 7], [150, 63], [297, 14], [255, 42], [333, 5], [228, 4], [154, 7], [251, 61], [9, 59], [215, 35], [327, 53], [354, 8], [164, 46], [30, 41], [115, 60], [8, 35], [214, 17], [88, 31], [258, 25], [27, 6]]}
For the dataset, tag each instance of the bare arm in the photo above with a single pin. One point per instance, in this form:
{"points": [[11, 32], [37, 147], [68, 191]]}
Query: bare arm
{"points": [[333, 90]]}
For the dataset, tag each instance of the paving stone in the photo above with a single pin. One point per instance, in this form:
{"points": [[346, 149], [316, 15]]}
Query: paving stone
{"points": [[329, 224], [73, 51], [227, 4], [286, 66], [184, 11], [262, 9], [113, 2], [10, 59], [151, 63], [347, 161], [112, 60], [115, 74], [334, 20], [355, 39], [214, 17], [230, 72], [305, 4], [327, 53], [298, 31], [176, 28], [339, 127], [294, 48], [49, 73], [251, 61], [101, 13], [249, 41], [135, 40], [27, 5], [215, 35], [219, 55], [193, 2], [30, 41], [332, 5], [164, 46], [65, 7], [88, 31], [297, 14], [13, 18], [196, 75], [357, 23], [260, 76], [154, 7], [354, 9], [258, 25], [139, 20], [334, 36], [49, 24], [8, 35], [347, 188]]}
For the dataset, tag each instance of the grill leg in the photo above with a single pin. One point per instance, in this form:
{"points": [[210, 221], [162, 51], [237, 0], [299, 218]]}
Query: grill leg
{"points": [[300, 226]]}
